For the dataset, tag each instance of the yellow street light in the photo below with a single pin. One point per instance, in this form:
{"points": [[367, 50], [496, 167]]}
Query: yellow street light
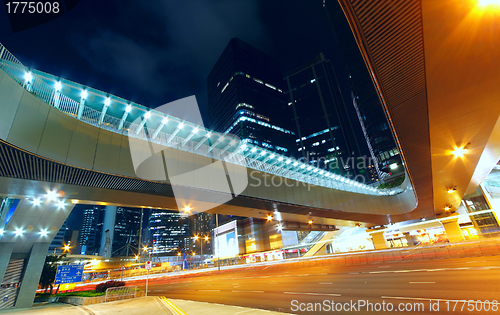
{"points": [[310, 222], [206, 238], [269, 218], [196, 237], [66, 248], [194, 254], [145, 248], [178, 254], [136, 257]]}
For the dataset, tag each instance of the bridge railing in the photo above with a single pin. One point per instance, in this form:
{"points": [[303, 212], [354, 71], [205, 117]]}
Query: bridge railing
{"points": [[280, 166]]}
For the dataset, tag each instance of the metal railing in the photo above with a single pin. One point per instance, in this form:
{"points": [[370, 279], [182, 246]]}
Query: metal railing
{"points": [[279, 166], [120, 293]]}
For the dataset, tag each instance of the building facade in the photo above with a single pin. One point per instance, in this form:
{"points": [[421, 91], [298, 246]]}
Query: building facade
{"points": [[90, 234], [246, 98], [327, 128], [168, 230], [365, 98]]}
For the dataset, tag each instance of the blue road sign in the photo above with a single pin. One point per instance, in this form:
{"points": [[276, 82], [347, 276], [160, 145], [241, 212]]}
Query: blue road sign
{"points": [[69, 274]]}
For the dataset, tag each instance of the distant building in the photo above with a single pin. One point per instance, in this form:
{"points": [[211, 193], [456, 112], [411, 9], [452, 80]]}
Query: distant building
{"points": [[168, 230], [57, 244], [245, 98], [327, 126], [89, 237], [126, 231]]}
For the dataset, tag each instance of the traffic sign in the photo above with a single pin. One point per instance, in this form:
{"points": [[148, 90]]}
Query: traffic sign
{"points": [[148, 264], [69, 274], [123, 268]]}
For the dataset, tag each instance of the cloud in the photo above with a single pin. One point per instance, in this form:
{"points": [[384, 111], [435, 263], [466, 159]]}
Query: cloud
{"points": [[184, 40]]}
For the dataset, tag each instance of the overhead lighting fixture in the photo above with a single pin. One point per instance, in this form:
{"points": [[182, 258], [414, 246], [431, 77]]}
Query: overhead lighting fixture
{"points": [[195, 130], [460, 151], [451, 190], [36, 201], [128, 108], [1, 232], [181, 125], [85, 94], [147, 115], [107, 101], [165, 120], [19, 232], [310, 222], [269, 218], [61, 204], [206, 238], [187, 208], [447, 208], [51, 195], [44, 232], [28, 77], [58, 86]]}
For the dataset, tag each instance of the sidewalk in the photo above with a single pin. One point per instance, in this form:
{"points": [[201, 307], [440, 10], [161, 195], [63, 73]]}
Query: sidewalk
{"points": [[151, 305]]}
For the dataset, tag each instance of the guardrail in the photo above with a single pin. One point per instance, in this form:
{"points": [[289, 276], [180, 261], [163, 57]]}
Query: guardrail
{"points": [[120, 293], [279, 165]]}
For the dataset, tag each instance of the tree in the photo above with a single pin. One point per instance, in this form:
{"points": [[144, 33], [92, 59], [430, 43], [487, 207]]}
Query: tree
{"points": [[49, 271]]}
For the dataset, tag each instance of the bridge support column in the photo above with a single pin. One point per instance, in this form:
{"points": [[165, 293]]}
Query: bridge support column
{"points": [[378, 239], [6, 250], [453, 230], [31, 277]]}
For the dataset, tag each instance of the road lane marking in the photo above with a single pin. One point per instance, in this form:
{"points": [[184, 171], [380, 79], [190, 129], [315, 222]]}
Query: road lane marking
{"points": [[171, 306], [209, 290], [422, 282], [421, 299], [236, 291], [308, 293]]}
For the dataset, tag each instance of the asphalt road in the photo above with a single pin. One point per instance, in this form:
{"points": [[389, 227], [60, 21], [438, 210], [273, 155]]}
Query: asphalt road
{"points": [[316, 290]]}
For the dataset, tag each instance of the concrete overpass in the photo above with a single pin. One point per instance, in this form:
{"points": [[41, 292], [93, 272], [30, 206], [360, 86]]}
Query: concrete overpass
{"points": [[433, 63]]}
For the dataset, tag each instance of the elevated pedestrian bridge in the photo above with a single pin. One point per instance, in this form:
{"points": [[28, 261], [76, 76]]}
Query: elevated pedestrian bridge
{"points": [[59, 135]]}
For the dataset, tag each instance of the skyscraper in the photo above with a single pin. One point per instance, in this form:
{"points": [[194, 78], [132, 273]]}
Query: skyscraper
{"points": [[327, 128], [126, 232], [168, 230], [245, 98], [89, 237], [365, 98]]}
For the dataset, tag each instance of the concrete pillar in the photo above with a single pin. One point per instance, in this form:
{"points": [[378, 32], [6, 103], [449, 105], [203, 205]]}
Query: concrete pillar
{"points": [[31, 276], [378, 239], [453, 230], [109, 224], [6, 251]]}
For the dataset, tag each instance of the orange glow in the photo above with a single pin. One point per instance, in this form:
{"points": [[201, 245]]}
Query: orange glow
{"points": [[451, 190], [178, 254], [206, 238], [489, 2], [66, 248], [310, 222], [447, 208], [196, 237], [269, 217], [187, 208]]}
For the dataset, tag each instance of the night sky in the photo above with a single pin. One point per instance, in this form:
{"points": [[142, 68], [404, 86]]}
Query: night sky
{"points": [[154, 52]]}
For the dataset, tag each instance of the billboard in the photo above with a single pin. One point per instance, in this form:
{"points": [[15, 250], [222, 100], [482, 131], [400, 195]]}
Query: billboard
{"points": [[226, 242]]}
